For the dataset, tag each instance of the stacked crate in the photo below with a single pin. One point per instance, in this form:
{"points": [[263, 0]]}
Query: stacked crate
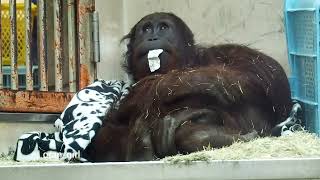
{"points": [[303, 41]]}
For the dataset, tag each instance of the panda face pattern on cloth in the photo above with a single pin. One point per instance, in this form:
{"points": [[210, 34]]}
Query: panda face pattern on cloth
{"points": [[78, 123]]}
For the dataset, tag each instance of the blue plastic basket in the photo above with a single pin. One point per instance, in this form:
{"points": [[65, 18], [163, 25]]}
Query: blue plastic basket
{"points": [[21, 77], [303, 40]]}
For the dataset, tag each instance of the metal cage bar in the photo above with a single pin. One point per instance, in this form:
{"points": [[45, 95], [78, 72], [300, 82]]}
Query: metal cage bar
{"points": [[85, 43], [72, 46], [28, 41], [13, 45], [96, 37], [57, 24], [80, 55], [42, 28]]}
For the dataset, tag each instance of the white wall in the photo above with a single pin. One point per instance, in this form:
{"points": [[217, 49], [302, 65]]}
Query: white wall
{"points": [[257, 23], [111, 31], [11, 131]]}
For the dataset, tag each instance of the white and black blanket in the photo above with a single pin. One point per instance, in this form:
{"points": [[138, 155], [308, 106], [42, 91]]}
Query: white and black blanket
{"points": [[76, 126]]}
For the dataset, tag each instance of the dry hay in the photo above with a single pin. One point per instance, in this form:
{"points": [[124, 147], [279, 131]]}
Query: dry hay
{"points": [[297, 145], [8, 161]]}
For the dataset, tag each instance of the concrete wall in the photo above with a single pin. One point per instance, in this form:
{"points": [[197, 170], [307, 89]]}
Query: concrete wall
{"points": [[111, 31], [11, 131], [257, 23]]}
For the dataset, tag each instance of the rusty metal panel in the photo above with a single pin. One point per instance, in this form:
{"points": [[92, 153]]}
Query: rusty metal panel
{"points": [[72, 46], [80, 45], [28, 40], [57, 24], [33, 101], [84, 76], [87, 65], [42, 29], [1, 73], [13, 45]]}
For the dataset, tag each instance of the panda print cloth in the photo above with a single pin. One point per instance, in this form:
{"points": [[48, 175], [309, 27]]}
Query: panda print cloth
{"points": [[76, 126]]}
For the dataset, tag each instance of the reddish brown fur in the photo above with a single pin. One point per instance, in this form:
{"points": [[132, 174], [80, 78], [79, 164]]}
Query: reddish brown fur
{"points": [[227, 92]]}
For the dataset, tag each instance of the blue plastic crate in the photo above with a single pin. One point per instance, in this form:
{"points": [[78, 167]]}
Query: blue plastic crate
{"points": [[303, 41], [21, 77]]}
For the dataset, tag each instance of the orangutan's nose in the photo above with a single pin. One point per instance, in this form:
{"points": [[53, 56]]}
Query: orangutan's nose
{"points": [[153, 39]]}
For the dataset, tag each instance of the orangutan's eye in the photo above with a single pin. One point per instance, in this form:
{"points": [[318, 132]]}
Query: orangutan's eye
{"points": [[147, 28], [164, 26]]}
